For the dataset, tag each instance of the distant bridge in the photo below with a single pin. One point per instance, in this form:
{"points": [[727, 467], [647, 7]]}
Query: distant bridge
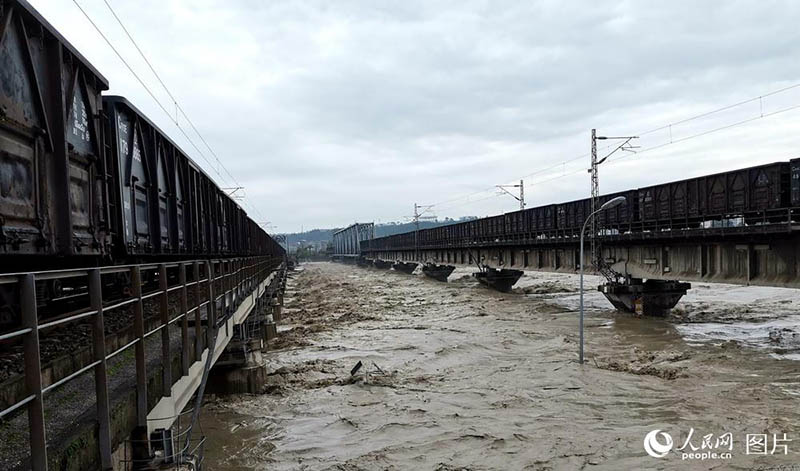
{"points": [[347, 242]]}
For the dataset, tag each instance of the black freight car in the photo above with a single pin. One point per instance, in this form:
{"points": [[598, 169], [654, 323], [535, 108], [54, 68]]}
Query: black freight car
{"points": [[52, 199], [762, 194], [621, 218], [758, 194], [794, 174], [515, 227], [543, 220], [90, 179], [162, 202], [570, 216], [146, 184]]}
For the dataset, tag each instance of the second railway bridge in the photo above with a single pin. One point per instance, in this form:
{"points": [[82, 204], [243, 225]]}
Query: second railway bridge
{"points": [[741, 226]]}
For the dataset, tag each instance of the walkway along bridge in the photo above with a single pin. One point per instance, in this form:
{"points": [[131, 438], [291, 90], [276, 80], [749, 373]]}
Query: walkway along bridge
{"points": [[134, 422], [735, 227]]}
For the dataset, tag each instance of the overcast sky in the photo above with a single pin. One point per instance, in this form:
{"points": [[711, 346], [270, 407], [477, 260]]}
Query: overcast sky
{"points": [[335, 111]]}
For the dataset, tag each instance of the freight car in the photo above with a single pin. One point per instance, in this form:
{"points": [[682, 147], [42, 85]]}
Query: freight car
{"points": [[760, 194], [161, 203], [88, 179], [763, 194], [51, 143]]}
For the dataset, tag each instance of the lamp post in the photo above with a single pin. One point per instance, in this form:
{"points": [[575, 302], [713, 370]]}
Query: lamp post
{"points": [[607, 205]]}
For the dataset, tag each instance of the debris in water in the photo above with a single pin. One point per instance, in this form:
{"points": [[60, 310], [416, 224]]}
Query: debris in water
{"points": [[356, 368]]}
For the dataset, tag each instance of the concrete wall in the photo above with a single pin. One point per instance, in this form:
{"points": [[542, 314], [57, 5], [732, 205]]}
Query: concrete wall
{"points": [[770, 264]]}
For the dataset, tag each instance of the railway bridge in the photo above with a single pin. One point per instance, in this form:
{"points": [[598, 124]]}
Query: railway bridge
{"points": [[766, 255], [347, 241], [126, 272], [117, 383], [737, 227]]}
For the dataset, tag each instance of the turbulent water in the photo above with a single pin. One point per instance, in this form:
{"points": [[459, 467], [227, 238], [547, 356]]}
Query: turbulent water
{"points": [[455, 376]]}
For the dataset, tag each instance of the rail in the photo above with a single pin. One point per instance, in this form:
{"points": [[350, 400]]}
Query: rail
{"points": [[237, 277]]}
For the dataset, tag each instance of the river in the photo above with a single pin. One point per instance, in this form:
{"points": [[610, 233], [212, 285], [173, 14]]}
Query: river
{"points": [[455, 376]]}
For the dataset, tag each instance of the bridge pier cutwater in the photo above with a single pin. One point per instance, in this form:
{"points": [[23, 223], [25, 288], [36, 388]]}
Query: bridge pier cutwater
{"points": [[656, 268], [739, 226], [241, 366]]}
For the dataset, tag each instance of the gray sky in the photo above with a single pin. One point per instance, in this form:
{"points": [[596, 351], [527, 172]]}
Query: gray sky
{"points": [[336, 111]]}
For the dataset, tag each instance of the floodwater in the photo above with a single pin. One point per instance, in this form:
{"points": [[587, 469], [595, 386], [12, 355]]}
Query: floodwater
{"points": [[455, 376]]}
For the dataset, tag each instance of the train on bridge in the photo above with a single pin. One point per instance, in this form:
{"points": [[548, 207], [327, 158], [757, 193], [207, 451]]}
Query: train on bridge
{"points": [[110, 233], [739, 226], [754, 196], [88, 180]]}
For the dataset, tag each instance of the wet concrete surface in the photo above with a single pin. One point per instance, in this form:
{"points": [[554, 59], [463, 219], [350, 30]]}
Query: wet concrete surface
{"points": [[455, 376]]}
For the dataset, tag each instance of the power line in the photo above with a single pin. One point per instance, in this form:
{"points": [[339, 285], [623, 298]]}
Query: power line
{"points": [[537, 172], [494, 195], [158, 102], [711, 131], [141, 82], [655, 147], [718, 110], [174, 100], [759, 99], [675, 141]]}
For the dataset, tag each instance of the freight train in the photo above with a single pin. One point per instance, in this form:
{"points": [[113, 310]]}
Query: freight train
{"points": [[87, 179], [754, 196]]}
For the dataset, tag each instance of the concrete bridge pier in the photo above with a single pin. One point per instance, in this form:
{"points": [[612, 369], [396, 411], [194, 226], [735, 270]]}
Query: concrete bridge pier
{"points": [[269, 326], [276, 303], [652, 274], [241, 367], [650, 297]]}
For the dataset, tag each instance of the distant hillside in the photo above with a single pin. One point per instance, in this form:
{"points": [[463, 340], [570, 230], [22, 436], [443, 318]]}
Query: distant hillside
{"points": [[317, 236]]}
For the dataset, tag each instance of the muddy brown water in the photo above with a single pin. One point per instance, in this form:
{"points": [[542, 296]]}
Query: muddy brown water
{"points": [[455, 376]]}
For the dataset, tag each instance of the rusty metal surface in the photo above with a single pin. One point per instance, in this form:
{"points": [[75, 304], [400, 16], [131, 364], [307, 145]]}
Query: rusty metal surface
{"points": [[51, 153], [69, 188]]}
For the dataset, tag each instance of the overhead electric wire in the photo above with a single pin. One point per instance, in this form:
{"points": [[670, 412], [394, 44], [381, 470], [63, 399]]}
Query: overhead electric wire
{"points": [[223, 180], [435, 205], [471, 201], [711, 131], [172, 97], [761, 115], [458, 198], [141, 82], [718, 110]]}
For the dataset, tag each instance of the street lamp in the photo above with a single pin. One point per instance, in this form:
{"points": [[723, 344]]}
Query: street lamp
{"points": [[612, 203]]}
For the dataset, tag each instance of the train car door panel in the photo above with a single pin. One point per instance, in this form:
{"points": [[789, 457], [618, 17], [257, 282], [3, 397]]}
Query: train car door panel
{"points": [[22, 216], [162, 178]]}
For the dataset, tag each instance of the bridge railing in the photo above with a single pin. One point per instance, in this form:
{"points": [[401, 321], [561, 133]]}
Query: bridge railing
{"points": [[753, 222], [232, 278]]}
